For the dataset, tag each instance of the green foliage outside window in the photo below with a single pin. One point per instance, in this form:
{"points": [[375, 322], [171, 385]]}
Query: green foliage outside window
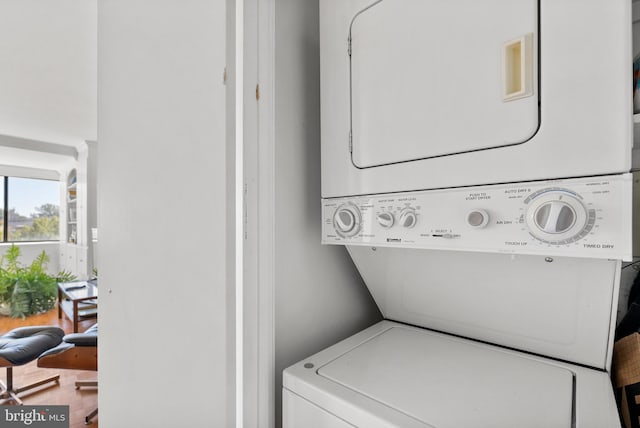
{"points": [[41, 229], [44, 225]]}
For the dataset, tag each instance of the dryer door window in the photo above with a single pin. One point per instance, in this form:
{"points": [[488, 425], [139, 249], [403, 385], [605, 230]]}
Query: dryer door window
{"points": [[436, 78]]}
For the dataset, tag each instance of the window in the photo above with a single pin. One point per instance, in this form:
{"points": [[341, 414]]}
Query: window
{"points": [[4, 202], [30, 210]]}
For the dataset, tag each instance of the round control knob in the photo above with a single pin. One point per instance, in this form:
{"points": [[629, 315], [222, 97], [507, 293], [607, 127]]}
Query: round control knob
{"points": [[408, 218], [385, 219], [558, 216], [478, 218], [555, 217], [346, 220]]}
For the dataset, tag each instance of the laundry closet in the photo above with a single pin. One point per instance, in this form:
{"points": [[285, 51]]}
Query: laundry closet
{"points": [[452, 209], [432, 210]]}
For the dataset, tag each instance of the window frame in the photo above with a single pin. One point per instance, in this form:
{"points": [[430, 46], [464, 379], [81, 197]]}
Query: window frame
{"points": [[4, 238]]}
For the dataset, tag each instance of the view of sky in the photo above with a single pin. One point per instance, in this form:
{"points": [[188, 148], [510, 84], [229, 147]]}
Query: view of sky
{"points": [[26, 194]]}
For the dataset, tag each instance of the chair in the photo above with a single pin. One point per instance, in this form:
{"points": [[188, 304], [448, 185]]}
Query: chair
{"points": [[21, 346], [78, 351]]}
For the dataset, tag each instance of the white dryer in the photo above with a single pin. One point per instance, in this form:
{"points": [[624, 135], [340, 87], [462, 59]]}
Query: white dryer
{"points": [[426, 94]]}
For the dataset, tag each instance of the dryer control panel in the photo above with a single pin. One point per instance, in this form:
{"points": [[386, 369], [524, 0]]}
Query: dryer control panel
{"points": [[586, 217]]}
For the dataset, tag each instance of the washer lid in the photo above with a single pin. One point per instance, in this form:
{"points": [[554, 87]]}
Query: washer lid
{"points": [[448, 382]]}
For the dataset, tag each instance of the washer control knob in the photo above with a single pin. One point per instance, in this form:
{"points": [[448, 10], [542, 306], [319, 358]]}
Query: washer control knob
{"points": [[346, 220], [478, 218], [558, 216], [555, 217], [408, 218], [385, 219]]}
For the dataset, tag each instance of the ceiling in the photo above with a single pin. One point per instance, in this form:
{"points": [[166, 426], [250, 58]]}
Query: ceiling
{"points": [[48, 79]]}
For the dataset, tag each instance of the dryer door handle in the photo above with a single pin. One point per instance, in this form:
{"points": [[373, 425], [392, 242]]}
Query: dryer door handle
{"points": [[517, 57]]}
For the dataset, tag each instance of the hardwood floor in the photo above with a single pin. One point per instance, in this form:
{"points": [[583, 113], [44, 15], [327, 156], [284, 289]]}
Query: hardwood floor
{"points": [[81, 402]]}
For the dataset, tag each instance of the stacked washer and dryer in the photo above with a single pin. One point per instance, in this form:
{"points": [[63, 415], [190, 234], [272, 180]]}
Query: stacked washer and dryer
{"points": [[475, 164]]}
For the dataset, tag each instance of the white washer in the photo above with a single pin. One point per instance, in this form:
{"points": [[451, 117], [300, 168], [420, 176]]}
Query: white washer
{"points": [[470, 339], [532, 285], [393, 375]]}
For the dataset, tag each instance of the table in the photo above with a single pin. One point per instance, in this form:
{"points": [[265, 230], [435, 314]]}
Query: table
{"points": [[77, 300]]}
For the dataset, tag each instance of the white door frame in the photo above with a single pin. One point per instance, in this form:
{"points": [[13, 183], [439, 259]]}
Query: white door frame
{"points": [[255, 365]]}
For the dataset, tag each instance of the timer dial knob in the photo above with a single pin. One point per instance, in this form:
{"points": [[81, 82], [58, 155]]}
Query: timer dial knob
{"points": [[385, 219], [408, 218], [558, 216], [346, 220], [555, 217]]}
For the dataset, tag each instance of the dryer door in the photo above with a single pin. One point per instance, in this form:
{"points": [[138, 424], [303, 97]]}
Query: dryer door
{"points": [[435, 78]]}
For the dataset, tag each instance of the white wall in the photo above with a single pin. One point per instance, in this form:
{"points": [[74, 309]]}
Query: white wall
{"points": [[319, 295], [231, 207], [163, 215], [48, 70]]}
